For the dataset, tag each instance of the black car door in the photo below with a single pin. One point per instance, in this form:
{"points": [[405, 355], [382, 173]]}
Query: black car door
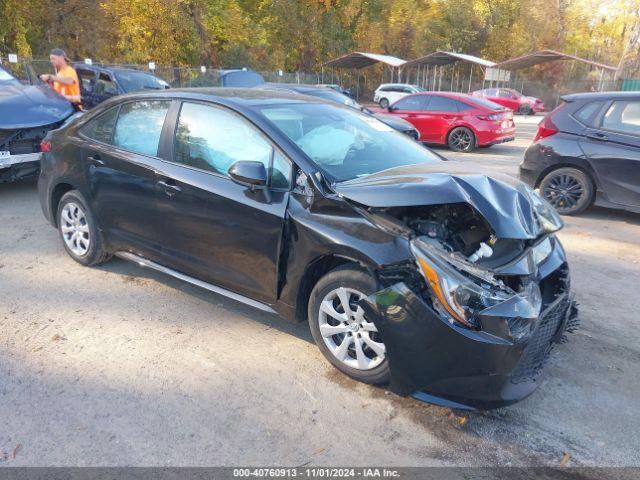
{"points": [[121, 160], [613, 150], [87, 78], [105, 88], [214, 229]]}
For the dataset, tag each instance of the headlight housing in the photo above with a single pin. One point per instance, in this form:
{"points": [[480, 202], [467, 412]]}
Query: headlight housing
{"points": [[548, 217], [464, 292]]}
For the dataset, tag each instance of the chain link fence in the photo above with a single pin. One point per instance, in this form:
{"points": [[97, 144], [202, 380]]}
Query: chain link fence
{"points": [[361, 83], [28, 70]]}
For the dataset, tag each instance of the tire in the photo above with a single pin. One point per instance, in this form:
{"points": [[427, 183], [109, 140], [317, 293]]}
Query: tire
{"points": [[461, 139], [525, 110], [75, 218], [366, 364], [384, 103], [569, 190]]}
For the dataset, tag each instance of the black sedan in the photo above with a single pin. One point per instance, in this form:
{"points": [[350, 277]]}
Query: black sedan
{"points": [[98, 83], [444, 283], [587, 151]]}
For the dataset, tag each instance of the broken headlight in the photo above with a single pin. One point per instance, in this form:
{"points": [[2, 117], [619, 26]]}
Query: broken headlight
{"points": [[548, 217], [464, 292]]}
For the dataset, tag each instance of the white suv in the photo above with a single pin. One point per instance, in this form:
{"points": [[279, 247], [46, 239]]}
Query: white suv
{"points": [[388, 93]]}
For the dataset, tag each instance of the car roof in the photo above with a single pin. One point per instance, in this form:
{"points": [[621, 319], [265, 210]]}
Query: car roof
{"points": [[231, 96], [297, 87], [100, 68], [396, 85], [453, 95], [600, 96]]}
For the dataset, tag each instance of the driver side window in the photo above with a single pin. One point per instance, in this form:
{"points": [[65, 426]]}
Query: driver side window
{"points": [[212, 139]]}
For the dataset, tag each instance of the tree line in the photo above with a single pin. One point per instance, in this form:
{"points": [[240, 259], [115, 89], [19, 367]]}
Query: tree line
{"points": [[298, 35]]}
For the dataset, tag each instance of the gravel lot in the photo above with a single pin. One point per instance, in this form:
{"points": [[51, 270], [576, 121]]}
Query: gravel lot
{"points": [[122, 366]]}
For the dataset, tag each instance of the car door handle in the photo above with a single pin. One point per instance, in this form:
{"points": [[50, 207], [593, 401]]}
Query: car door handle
{"points": [[597, 136], [96, 160], [170, 188]]}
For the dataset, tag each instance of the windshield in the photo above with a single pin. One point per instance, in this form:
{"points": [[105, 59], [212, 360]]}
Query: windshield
{"points": [[345, 143], [7, 79], [134, 81]]}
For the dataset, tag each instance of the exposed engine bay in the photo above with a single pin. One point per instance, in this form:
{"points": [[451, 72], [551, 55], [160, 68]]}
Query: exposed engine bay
{"points": [[458, 227]]}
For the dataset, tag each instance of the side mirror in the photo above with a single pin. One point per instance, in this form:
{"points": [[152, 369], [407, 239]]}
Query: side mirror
{"points": [[391, 108], [249, 174]]}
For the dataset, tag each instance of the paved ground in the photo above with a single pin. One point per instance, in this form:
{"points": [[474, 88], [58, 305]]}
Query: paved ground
{"points": [[119, 366]]}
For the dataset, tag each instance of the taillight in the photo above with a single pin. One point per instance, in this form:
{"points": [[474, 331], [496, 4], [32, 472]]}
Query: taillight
{"points": [[546, 128], [492, 117], [45, 146]]}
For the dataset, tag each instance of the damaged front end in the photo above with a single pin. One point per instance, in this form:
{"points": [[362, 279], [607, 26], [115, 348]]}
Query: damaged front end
{"points": [[470, 320]]}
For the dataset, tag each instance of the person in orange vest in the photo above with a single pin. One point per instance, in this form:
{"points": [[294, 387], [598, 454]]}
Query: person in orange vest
{"points": [[65, 81]]}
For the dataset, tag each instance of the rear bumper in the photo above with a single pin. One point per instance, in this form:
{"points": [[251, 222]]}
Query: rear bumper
{"points": [[16, 167], [495, 136]]}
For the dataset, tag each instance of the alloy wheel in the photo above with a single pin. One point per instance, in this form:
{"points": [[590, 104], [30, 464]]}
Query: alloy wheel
{"points": [[460, 139], [564, 191], [346, 332], [75, 229]]}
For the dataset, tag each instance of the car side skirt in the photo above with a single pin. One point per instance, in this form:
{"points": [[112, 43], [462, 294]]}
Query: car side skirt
{"points": [[132, 257]]}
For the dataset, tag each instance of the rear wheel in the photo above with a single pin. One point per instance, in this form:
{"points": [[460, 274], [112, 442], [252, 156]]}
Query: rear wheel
{"points": [[568, 189], [461, 139], [78, 230], [525, 110], [340, 328], [384, 103]]}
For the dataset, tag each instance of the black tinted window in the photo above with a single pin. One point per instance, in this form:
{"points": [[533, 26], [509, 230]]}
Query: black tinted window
{"points": [[213, 139], [139, 126], [413, 102], [442, 104], [101, 128], [587, 112], [623, 116]]}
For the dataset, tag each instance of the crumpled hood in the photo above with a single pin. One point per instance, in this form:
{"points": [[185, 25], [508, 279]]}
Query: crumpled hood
{"points": [[502, 200], [31, 106]]}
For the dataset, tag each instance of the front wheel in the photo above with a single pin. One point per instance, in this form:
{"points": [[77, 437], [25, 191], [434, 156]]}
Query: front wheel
{"points": [[461, 139], [78, 230], [340, 328], [525, 110], [384, 103], [569, 190]]}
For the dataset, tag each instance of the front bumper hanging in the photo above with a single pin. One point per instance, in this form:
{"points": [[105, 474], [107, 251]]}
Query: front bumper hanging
{"points": [[445, 364]]}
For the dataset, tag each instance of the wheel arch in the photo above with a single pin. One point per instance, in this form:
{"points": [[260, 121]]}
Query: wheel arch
{"points": [[465, 125], [556, 166], [54, 199], [317, 269]]}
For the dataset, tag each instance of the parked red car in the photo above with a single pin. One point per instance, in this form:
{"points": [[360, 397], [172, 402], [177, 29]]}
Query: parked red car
{"points": [[512, 99], [460, 121]]}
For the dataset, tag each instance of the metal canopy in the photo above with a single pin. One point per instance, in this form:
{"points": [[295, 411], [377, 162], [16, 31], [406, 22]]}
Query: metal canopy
{"points": [[544, 56], [447, 58], [363, 59]]}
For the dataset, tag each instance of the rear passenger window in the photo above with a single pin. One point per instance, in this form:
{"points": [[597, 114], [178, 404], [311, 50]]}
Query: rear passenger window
{"points": [[442, 104], [101, 128], [586, 113], [623, 116], [139, 126]]}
